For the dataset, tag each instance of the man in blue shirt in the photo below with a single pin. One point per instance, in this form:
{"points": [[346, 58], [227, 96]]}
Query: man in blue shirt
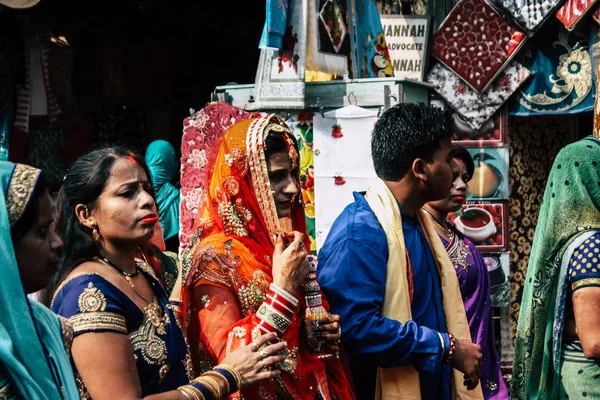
{"points": [[410, 146]]}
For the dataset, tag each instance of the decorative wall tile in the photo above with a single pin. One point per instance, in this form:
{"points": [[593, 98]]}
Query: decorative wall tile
{"points": [[476, 108], [476, 42]]}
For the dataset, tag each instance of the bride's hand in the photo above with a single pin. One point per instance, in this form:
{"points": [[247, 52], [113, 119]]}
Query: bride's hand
{"points": [[330, 332], [251, 362], [290, 265]]}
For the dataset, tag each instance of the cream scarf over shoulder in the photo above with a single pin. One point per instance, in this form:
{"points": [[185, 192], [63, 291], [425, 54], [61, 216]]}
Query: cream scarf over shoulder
{"points": [[403, 382]]}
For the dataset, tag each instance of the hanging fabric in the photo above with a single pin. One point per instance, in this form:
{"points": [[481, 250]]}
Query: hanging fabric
{"points": [[563, 82], [370, 56], [328, 36]]}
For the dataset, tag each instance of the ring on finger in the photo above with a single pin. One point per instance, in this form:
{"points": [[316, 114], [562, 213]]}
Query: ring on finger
{"points": [[254, 346], [264, 353]]}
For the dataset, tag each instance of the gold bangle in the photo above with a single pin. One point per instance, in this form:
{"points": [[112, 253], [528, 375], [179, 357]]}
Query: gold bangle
{"points": [[192, 391], [184, 393], [236, 375], [218, 375], [208, 381]]}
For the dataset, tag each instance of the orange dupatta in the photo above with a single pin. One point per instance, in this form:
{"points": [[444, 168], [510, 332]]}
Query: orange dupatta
{"points": [[231, 249]]}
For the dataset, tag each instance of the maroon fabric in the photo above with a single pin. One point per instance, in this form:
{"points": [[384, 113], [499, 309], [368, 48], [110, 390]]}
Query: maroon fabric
{"points": [[476, 42]]}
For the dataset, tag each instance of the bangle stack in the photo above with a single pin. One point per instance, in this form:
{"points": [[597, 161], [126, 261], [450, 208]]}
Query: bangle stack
{"points": [[194, 391], [205, 386], [452, 349], [277, 310], [232, 376]]}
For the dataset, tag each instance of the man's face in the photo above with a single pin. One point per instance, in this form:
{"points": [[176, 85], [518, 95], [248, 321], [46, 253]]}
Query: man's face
{"points": [[440, 173]]}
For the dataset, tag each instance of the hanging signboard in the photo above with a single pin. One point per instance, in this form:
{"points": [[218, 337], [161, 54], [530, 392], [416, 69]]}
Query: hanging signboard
{"points": [[406, 38]]}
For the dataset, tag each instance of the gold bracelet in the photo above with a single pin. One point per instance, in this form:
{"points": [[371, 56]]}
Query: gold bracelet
{"points": [[236, 375], [192, 391], [218, 375], [212, 383]]}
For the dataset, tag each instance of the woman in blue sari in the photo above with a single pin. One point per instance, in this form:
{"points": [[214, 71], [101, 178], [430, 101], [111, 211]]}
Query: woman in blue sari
{"points": [[127, 341], [33, 342]]}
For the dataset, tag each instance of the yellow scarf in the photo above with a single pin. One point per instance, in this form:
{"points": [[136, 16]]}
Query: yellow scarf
{"points": [[403, 382]]}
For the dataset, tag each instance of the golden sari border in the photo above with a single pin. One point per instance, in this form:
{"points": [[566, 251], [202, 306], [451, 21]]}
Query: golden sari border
{"points": [[20, 189], [260, 174]]}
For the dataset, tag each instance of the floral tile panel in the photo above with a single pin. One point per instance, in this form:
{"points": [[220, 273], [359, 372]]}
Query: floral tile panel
{"points": [[529, 14], [476, 42], [572, 11], [476, 108]]}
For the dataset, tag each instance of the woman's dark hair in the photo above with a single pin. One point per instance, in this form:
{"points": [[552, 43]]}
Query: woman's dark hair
{"points": [[404, 133], [83, 184], [32, 212], [462, 154], [276, 143]]}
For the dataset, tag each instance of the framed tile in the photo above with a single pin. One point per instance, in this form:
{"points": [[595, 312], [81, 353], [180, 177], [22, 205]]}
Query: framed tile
{"points": [[476, 108], [485, 223], [528, 14], [498, 266], [476, 42], [490, 178], [572, 11], [492, 133]]}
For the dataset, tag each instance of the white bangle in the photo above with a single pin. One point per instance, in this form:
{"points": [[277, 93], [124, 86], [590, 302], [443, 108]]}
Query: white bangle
{"points": [[185, 394], [286, 295]]}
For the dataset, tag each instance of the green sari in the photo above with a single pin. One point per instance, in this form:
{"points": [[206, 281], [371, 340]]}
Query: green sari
{"points": [[569, 213]]}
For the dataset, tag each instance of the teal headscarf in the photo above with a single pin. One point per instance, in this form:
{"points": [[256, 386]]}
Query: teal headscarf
{"points": [[32, 351], [571, 207], [161, 161]]}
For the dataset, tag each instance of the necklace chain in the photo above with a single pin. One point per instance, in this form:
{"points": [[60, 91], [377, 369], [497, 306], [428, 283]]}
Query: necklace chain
{"points": [[124, 275], [447, 231]]}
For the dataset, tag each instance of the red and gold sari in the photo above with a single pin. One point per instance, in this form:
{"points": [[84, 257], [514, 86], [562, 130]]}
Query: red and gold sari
{"points": [[226, 269]]}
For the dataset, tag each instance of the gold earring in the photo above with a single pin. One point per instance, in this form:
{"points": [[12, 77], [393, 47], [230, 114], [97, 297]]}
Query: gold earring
{"points": [[94, 226], [96, 233]]}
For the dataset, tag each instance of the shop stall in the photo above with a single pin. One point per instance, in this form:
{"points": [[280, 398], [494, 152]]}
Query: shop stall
{"points": [[519, 82]]}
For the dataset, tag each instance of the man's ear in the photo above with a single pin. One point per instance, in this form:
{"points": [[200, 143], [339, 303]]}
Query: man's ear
{"points": [[419, 169]]}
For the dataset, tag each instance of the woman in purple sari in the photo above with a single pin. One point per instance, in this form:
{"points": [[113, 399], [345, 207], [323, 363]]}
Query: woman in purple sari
{"points": [[472, 275]]}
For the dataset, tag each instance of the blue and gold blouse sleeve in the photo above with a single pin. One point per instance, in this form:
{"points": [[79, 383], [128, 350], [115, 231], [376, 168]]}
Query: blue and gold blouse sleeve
{"points": [[584, 266], [91, 304]]}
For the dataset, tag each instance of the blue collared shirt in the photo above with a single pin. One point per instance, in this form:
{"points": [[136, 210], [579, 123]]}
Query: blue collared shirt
{"points": [[352, 274]]}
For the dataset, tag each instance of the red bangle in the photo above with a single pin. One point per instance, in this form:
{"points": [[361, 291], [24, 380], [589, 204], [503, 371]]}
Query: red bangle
{"points": [[281, 303], [452, 349]]}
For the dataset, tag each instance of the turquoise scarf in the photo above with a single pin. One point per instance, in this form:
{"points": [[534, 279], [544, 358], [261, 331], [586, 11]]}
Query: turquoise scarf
{"points": [[570, 208], [32, 351], [161, 161]]}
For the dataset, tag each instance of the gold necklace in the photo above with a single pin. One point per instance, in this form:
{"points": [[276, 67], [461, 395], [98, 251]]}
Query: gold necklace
{"points": [[447, 231], [104, 261]]}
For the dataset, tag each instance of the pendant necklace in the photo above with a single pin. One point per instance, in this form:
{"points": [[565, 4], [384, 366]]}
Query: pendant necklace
{"points": [[447, 231], [127, 275]]}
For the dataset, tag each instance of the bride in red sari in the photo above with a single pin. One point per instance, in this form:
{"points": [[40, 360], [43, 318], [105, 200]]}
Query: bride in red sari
{"points": [[243, 276]]}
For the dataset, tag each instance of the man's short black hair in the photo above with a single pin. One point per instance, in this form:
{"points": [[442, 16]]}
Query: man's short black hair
{"points": [[404, 133]]}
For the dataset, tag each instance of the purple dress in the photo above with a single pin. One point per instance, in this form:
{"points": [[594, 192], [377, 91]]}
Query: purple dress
{"points": [[474, 282]]}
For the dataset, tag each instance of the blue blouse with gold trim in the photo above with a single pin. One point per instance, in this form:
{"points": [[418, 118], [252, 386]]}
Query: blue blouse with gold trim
{"points": [[584, 266], [93, 304]]}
